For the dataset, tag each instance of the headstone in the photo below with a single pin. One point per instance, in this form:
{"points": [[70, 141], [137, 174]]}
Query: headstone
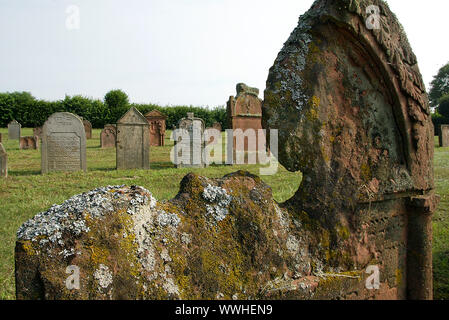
{"points": [[14, 130], [353, 116], [444, 136], [156, 120], [245, 112], [108, 136], [0, 138], [217, 126], [192, 143], [3, 162], [63, 143], [37, 132], [133, 141], [29, 143], [87, 128]]}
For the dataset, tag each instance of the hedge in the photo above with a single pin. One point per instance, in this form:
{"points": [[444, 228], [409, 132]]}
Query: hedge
{"points": [[31, 112]]}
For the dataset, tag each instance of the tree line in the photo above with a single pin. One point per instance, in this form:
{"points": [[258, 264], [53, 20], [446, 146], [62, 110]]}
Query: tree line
{"points": [[32, 112]]}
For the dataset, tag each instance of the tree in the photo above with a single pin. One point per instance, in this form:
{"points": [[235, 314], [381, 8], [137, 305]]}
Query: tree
{"points": [[439, 86], [117, 103]]}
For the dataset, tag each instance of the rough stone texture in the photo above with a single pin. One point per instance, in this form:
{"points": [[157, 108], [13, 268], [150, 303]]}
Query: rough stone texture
{"points": [[14, 130], [353, 117], [194, 144], [29, 143], [37, 132], [444, 136], [108, 136], [217, 239], [3, 162], [63, 143], [156, 120], [133, 141], [87, 128], [245, 112]]}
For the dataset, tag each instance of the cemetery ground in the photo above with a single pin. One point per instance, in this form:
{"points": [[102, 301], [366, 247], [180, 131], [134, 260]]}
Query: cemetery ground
{"points": [[26, 192]]}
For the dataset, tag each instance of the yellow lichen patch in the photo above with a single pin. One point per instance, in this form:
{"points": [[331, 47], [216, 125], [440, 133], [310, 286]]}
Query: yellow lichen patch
{"points": [[28, 248], [365, 172], [398, 277]]}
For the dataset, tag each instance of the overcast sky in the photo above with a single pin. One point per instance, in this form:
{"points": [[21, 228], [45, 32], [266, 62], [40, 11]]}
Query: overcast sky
{"points": [[170, 51]]}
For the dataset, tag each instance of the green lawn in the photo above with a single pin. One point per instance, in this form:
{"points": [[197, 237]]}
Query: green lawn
{"points": [[26, 192]]}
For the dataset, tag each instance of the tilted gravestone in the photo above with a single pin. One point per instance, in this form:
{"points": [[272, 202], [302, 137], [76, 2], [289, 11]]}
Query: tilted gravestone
{"points": [[3, 162], [26, 143], [108, 136], [188, 150], [353, 116], [14, 130], [156, 120], [133, 141], [444, 136], [87, 128], [63, 143]]}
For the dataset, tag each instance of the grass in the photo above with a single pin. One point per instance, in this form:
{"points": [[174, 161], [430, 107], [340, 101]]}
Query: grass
{"points": [[26, 192]]}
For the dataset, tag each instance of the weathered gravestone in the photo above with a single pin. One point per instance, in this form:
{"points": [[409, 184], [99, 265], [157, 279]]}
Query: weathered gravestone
{"points": [[3, 162], [244, 112], [188, 151], [444, 136], [26, 143], [156, 120], [63, 143], [133, 141], [37, 132], [87, 128], [352, 115], [108, 136], [14, 130]]}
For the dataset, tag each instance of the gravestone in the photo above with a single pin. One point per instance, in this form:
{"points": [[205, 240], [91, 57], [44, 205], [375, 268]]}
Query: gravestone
{"points": [[87, 128], [29, 143], [14, 130], [244, 112], [0, 138], [444, 136], [133, 141], [37, 132], [108, 136], [217, 126], [192, 143], [156, 120], [63, 143], [353, 116], [3, 162]]}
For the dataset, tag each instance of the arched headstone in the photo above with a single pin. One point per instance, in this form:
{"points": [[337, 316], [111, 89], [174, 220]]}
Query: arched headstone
{"points": [[14, 130], [352, 112], [63, 143], [108, 136], [133, 141]]}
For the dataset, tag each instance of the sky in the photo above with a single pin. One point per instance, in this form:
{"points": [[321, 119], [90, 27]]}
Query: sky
{"points": [[170, 52]]}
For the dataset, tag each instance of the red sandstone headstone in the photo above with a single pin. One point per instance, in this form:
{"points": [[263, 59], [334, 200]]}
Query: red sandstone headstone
{"points": [[87, 128], [108, 136], [156, 120], [26, 143], [245, 112]]}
